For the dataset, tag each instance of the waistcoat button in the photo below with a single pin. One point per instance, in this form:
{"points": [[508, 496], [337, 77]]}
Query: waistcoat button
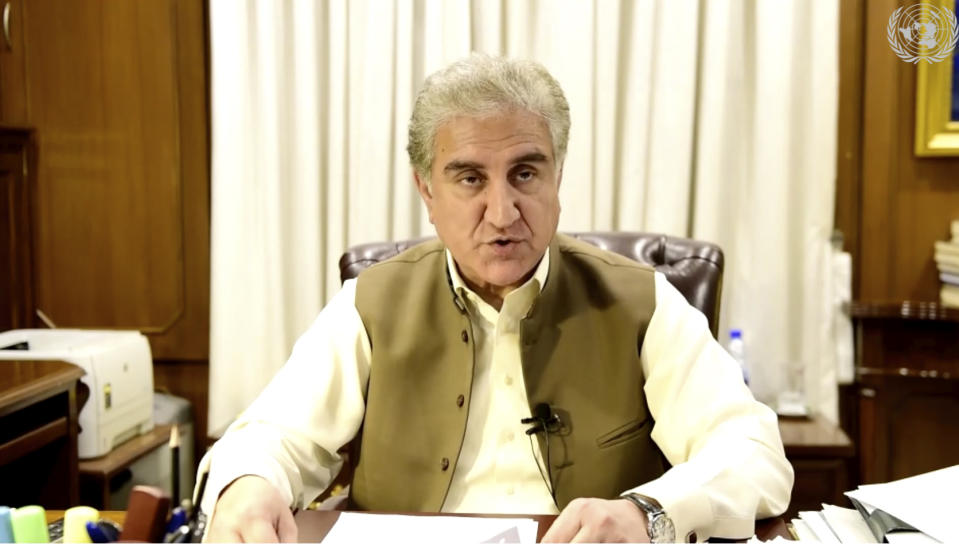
{"points": [[460, 400], [445, 463], [465, 336]]}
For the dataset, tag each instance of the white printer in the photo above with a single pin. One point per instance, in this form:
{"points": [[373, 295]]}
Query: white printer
{"points": [[119, 373]]}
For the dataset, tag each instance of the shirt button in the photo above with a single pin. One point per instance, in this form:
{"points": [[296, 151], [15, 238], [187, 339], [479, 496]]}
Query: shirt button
{"points": [[509, 380], [465, 336], [445, 463], [510, 437], [460, 400], [510, 490]]}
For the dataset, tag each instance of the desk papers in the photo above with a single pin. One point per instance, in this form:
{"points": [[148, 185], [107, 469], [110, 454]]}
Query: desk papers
{"points": [[927, 502], [916, 510], [361, 527]]}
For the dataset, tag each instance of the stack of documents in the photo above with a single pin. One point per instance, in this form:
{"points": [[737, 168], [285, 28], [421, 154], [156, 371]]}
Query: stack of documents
{"points": [[361, 527], [917, 510], [947, 260]]}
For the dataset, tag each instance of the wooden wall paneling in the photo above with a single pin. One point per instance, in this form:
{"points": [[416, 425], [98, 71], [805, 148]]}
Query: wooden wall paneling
{"points": [[13, 85], [880, 124], [849, 135], [907, 202], [101, 85], [117, 92], [904, 402], [17, 159], [189, 337]]}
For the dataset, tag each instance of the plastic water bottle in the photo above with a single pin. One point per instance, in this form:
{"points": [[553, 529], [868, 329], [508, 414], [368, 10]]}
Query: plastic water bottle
{"points": [[737, 349]]}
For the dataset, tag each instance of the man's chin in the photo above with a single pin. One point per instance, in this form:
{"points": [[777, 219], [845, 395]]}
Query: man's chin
{"points": [[512, 274]]}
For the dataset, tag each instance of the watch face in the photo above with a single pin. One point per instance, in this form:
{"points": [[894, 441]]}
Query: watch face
{"points": [[661, 529]]}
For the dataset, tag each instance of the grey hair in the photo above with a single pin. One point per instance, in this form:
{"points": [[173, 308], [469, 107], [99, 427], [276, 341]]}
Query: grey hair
{"points": [[481, 85]]}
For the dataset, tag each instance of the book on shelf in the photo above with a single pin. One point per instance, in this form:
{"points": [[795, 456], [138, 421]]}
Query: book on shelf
{"points": [[946, 262], [949, 296], [955, 231], [949, 278], [919, 509], [947, 249]]}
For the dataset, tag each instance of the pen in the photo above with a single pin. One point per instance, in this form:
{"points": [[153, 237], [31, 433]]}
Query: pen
{"points": [[110, 529], [198, 500], [96, 534], [175, 462], [181, 534], [177, 519]]}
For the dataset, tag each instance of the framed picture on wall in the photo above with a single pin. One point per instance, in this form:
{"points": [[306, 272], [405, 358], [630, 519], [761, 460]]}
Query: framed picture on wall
{"points": [[937, 90]]}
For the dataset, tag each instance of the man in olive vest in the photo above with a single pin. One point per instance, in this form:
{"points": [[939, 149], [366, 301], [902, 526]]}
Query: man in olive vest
{"points": [[505, 368]]}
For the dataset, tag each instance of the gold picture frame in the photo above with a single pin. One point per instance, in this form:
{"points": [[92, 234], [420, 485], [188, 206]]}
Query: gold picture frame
{"points": [[937, 132]]}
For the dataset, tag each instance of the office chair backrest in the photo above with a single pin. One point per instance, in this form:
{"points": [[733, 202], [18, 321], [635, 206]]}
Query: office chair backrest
{"points": [[695, 268]]}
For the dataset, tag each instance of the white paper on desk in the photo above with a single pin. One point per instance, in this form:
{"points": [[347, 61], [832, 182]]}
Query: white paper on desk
{"points": [[817, 524], [362, 527], [910, 537], [803, 532], [927, 502], [847, 523]]}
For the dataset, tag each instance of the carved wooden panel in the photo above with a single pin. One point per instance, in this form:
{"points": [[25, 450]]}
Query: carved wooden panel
{"points": [[117, 93], [16, 293], [908, 426]]}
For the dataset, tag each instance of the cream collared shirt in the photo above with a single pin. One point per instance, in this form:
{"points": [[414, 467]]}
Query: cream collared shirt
{"points": [[728, 463]]}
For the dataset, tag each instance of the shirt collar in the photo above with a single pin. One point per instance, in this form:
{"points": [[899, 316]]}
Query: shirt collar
{"points": [[462, 289]]}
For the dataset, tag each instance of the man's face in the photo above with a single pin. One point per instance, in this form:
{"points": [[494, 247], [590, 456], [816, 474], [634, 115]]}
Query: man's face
{"points": [[495, 197]]}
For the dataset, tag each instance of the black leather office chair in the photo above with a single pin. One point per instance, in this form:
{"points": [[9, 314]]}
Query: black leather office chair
{"points": [[695, 268]]}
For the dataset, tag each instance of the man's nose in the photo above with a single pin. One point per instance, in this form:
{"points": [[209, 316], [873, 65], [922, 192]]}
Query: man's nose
{"points": [[501, 204]]}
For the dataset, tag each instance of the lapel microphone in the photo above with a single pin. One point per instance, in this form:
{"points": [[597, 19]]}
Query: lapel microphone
{"points": [[543, 419]]}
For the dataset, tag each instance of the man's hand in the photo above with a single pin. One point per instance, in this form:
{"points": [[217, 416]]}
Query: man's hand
{"points": [[251, 510], [599, 520]]}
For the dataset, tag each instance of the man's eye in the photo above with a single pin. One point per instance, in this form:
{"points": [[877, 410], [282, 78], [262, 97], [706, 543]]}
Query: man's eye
{"points": [[470, 180], [525, 175]]}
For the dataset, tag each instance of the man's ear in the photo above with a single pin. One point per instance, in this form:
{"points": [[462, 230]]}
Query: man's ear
{"points": [[425, 193]]}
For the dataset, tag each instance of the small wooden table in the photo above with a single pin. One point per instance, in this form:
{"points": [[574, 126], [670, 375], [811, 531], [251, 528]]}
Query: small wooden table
{"points": [[38, 433], [821, 455], [95, 474]]}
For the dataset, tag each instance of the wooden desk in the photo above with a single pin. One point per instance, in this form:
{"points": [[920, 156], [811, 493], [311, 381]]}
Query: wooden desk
{"points": [[95, 474], [822, 456], [313, 525], [38, 433]]}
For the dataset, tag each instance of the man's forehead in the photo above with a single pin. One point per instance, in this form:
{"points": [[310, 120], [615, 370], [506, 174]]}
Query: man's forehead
{"points": [[523, 137]]}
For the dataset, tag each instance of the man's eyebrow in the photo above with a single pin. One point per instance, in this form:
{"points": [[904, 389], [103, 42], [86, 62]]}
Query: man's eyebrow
{"points": [[456, 166], [534, 156]]}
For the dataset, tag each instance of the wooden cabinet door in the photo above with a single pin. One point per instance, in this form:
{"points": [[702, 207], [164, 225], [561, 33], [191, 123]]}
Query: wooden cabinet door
{"points": [[117, 94], [16, 294]]}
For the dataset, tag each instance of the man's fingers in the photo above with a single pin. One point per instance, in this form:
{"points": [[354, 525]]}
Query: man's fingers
{"points": [[222, 536], [586, 534], [566, 525], [259, 530], [287, 527]]}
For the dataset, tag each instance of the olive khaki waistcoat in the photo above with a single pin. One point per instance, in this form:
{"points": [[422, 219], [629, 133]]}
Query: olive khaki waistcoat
{"points": [[580, 346]]}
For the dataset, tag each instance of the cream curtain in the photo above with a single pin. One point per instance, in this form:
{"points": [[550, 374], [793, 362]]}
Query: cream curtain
{"points": [[712, 119]]}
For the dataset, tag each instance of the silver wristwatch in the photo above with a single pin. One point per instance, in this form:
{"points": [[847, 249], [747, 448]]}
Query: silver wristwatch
{"points": [[660, 528]]}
